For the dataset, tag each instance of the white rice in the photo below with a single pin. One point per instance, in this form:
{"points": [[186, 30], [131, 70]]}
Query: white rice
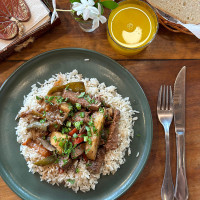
{"points": [[83, 180]]}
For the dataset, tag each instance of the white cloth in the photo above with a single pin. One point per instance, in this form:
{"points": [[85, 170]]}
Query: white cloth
{"points": [[195, 29], [39, 15]]}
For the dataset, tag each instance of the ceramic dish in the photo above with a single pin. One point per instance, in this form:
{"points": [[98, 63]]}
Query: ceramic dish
{"points": [[13, 168]]}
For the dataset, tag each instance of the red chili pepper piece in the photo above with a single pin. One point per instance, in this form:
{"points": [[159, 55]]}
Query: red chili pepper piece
{"points": [[79, 139], [85, 157], [71, 133]]}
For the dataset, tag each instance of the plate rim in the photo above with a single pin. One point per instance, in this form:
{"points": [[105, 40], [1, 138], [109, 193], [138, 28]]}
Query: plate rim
{"points": [[9, 181]]}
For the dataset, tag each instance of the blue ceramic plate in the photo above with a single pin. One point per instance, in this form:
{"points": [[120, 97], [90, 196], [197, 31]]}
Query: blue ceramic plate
{"points": [[13, 167]]}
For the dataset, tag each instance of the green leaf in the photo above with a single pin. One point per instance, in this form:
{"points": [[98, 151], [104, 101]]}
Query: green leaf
{"points": [[109, 4], [102, 9], [72, 1]]}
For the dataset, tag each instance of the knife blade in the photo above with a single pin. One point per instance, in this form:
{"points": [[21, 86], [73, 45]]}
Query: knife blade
{"points": [[181, 188]]}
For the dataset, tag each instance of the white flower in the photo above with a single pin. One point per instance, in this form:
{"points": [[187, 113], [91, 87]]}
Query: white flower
{"points": [[86, 7], [97, 17]]}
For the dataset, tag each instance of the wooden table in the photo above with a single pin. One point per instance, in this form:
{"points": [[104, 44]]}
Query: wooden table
{"points": [[158, 64]]}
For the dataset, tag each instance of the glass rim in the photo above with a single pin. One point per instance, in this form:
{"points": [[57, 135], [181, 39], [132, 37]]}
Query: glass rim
{"points": [[137, 48]]}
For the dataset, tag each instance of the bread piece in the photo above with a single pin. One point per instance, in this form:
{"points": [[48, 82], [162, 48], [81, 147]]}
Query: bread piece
{"points": [[186, 11]]}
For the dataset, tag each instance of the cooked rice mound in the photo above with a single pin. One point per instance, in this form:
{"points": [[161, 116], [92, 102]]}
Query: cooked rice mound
{"points": [[82, 180]]}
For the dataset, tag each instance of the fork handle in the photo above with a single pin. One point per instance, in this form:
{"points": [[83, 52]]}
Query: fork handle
{"points": [[167, 190], [181, 189]]}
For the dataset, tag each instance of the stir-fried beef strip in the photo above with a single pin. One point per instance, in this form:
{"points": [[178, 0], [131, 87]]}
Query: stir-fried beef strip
{"points": [[30, 114], [78, 151], [82, 130], [65, 162], [95, 166], [36, 134], [81, 116], [55, 117], [84, 101], [70, 125], [54, 127], [57, 114], [112, 140], [110, 113], [104, 136]]}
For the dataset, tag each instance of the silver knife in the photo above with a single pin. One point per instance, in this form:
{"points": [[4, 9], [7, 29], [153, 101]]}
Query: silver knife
{"points": [[181, 188]]}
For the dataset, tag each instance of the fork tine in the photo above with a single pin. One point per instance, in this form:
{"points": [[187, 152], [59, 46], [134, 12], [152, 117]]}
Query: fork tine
{"points": [[171, 99], [167, 98], [159, 98], [163, 99]]}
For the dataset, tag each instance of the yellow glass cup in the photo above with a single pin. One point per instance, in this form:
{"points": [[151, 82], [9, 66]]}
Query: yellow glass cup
{"points": [[132, 26]]}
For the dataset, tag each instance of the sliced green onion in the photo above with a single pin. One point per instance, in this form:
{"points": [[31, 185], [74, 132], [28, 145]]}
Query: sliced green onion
{"points": [[77, 170], [42, 121], [67, 87], [82, 114], [75, 135], [89, 141], [78, 106], [68, 124], [72, 181], [38, 98], [81, 95], [85, 138], [101, 110], [55, 138]]}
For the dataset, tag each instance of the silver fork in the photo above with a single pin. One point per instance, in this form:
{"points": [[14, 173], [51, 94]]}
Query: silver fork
{"points": [[165, 115]]}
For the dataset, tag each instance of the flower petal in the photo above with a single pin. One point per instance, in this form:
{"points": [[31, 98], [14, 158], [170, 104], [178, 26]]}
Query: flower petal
{"points": [[91, 2], [93, 15], [99, 8], [84, 2], [79, 12], [102, 19], [94, 10], [95, 23], [77, 7], [86, 14]]}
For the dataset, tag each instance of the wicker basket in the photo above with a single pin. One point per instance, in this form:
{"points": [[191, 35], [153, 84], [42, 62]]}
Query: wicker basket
{"points": [[177, 28]]}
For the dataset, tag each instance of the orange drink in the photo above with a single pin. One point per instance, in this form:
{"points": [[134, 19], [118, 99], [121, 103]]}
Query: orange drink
{"points": [[131, 26]]}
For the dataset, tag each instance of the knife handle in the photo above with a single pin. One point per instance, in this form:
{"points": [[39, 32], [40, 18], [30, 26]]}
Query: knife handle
{"points": [[181, 188]]}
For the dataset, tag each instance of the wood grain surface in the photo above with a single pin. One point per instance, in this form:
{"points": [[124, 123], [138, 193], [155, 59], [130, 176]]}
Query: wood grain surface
{"points": [[158, 64]]}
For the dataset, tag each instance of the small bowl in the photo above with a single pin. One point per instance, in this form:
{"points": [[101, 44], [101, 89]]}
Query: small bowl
{"points": [[132, 48]]}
